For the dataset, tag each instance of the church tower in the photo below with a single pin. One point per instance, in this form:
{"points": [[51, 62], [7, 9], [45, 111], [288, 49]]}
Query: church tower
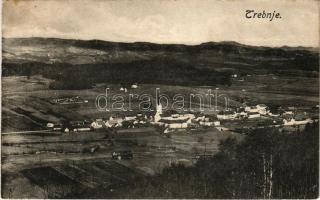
{"points": [[157, 116]]}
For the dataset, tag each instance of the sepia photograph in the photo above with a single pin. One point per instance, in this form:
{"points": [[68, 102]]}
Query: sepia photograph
{"points": [[160, 99]]}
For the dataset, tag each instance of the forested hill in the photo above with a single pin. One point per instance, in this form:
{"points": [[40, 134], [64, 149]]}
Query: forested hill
{"points": [[205, 64]]}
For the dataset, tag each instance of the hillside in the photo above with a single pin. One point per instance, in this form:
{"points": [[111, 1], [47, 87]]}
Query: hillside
{"points": [[97, 61]]}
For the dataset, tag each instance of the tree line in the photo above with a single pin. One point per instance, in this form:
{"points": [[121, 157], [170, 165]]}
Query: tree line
{"points": [[266, 164]]}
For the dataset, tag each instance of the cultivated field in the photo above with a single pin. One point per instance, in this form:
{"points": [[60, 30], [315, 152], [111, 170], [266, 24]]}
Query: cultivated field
{"points": [[44, 164], [26, 101]]}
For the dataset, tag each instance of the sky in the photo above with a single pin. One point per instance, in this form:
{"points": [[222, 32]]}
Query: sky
{"points": [[165, 21]]}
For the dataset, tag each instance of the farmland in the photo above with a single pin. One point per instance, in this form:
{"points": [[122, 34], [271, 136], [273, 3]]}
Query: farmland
{"points": [[26, 102], [40, 162], [24, 156], [26, 106]]}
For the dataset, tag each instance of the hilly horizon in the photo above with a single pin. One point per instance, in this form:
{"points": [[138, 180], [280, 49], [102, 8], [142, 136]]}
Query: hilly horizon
{"points": [[232, 42], [22, 49], [96, 60]]}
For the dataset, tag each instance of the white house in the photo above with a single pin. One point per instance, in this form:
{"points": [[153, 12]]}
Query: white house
{"points": [[226, 115], [288, 113], [97, 124], [260, 108], [253, 115], [215, 123], [114, 122], [251, 109], [243, 114], [177, 125], [293, 122], [198, 119], [177, 117], [50, 125], [82, 129], [134, 86], [132, 118]]}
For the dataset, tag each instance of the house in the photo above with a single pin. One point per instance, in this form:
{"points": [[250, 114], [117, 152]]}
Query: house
{"points": [[114, 122], [226, 115], [123, 89], [172, 119], [215, 123], [243, 114], [50, 125], [253, 115], [97, 124], [134, 86], [198, 119], [177, 125], [260, 108], [177, 118], [132, 118], [251, 109], [288, 113], [293, 122]]}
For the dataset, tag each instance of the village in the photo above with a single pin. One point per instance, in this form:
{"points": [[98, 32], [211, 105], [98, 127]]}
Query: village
{"points": [[171, 121]]}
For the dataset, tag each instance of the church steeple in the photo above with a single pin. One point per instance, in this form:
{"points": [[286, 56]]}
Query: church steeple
{"points": [[157, 116]]}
